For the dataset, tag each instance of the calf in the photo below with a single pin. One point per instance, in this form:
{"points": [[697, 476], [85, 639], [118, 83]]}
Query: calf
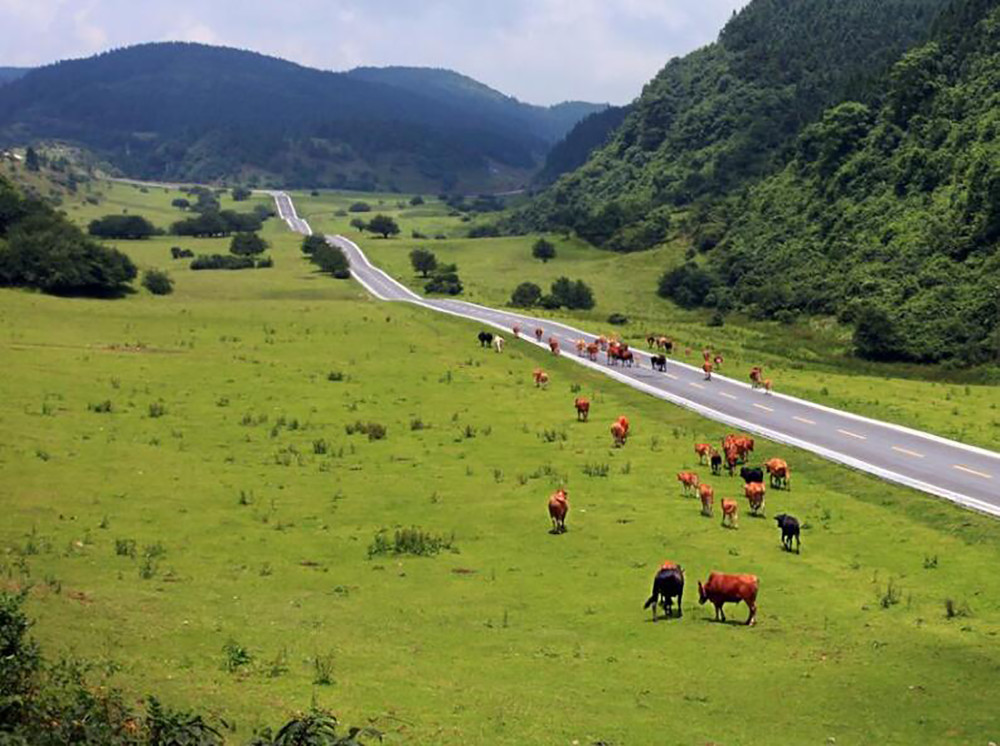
{"points": [[541, 378], [755, 496], [730, 513], [582, 408], [721, 589], [659, 362], [707, 495], [688, 479], [703, 451], [789, 526], [752, 475], [668, 584], [485, 339]]}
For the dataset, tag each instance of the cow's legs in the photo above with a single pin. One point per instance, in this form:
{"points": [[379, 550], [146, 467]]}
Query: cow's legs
{"points": [[753, 613]]}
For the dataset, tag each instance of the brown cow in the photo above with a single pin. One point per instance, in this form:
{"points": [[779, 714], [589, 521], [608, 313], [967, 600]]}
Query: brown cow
{"points": [[581, 347], [767, 386], [592, 349], [517, 331], [541, 377], [602, 342], [558, 508], [554, 345], [623, 421], [707, 495], [707, 367], [651, 341], [779, 472], [755, 496], [665, 343], [539, 333], [619, 434], [582, 408], [721, 589], [704, 450], [755, 375], [730, 513], [719, 360], [689, 480]]}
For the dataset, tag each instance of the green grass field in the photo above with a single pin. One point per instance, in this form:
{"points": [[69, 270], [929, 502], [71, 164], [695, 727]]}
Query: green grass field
{"points": [[809, 359], [226, 460]]}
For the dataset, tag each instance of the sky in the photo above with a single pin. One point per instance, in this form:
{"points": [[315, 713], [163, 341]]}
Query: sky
{"points": [[541, 51]]}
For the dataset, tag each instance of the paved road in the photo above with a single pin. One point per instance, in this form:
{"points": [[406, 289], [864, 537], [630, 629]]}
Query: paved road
{"points": [[964, 474]]}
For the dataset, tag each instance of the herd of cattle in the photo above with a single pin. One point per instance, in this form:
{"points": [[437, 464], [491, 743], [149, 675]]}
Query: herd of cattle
{"points": [[735, 451]]}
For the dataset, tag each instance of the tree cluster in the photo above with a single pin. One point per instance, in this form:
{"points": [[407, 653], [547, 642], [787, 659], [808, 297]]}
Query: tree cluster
{"points": [[444, 280], [564, 293], [122, 226]]}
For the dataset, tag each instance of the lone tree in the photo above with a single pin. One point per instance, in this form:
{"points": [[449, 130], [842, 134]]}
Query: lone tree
{"points": [[359, 225], [241, 193], [543, 250], [423, 261], [247, 244], [180, 203], [31, 160], [526, 295], [157, 282], [383, 225], [332, 259]]}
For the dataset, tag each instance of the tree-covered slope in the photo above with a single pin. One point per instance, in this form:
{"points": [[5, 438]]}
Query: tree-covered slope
{"points": [[575, 148], [9, 74], [889, 215], [190, 111], [721, 117]]}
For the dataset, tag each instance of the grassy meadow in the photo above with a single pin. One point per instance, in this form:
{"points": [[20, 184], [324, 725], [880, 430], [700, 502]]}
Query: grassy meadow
{"points": [[224, 499], [809, 359]]}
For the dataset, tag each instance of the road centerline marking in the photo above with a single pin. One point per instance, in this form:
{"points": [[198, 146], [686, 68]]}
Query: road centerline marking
{"points": [[973, 472], [696, 385], [849, 434], [671, 376], [728, 396], [761, 406], [907, 452], [803, 419]]}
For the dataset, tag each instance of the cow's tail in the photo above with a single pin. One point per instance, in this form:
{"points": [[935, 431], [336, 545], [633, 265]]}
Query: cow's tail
{"points": [[652, 599]]}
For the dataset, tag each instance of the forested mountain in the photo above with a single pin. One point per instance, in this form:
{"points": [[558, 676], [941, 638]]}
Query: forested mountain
{"points": [[590, 133], [889, 213], [194, 112], [725, 115], [549, 123], [8, 74]]}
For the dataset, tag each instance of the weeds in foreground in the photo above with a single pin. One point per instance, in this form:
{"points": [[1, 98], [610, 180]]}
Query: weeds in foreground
{"points": [[413, 541]]}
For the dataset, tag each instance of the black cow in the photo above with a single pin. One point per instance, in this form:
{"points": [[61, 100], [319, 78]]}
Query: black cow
{"points": [[668, 583], [485, 339], [716, 463], [659, 363], [789, 526], [752, 475]]}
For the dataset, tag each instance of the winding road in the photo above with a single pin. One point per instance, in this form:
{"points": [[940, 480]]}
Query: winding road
{"points": [[961, 473]]}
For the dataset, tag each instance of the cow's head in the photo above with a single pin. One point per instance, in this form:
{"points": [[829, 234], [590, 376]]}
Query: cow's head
{"points": [[702, 596], [780, 519]]}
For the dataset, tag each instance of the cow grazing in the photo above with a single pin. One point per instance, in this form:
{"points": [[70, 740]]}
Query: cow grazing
{"points": [[749, 475], [755, 496], [716, 462], [539, 333], [659, 362], [582, 408], [703, 451], [541, 378], [789, 526], [623, 421], [707, 495], [780, 473], [730, 513], [732, 459], [667, 585], [619, 434], [498, 343], [689, 480], [558, 508], [707, 367], [721, 589], [485, 339]]}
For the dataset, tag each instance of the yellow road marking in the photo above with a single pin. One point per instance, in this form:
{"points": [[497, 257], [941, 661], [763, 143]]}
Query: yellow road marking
{"points": [[849, 434], [975, 473], [908, 453], [803, 419], [761, 406]]}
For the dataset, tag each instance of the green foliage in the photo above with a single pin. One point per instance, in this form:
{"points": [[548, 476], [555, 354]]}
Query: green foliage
{"points": [[20, 659], [413, 541], [359, 225], [332, 260], [416, 201], [543, 250], [221, 261], [122, 226], [360, 207], [247, 244], [31, 159], [157, 282], [311, 243], [180, 203], [526, 295], [384, 225], [423, 261], [214, 223], [241, 194], [568, 294], [445, 280], [618, 319], [687, 285], [236, 656]]}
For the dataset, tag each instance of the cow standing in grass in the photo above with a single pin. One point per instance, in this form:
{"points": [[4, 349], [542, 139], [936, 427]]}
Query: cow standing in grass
{"points": [[780, 474], [707, 495], [789, 526], [689, 481], [485, 339], [730, 513], [541, 378], [703, 451], [755, 496], [716, 462], [558, 508], [667, 585], [582, 405], [498, 343], [721, 589]]}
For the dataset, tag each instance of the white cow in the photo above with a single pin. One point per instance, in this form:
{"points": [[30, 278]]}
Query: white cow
{"points": [[498, 343]]}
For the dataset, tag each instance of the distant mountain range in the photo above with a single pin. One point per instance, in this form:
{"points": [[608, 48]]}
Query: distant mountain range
{"points": [[203, 113]]}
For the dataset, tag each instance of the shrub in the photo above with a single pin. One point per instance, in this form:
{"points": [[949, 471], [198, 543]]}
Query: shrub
{"points": [[331, 259], [335, 375], [323, 669], [526, 295], [236, 656], [618, 319], [572, 295], [417, 201], [373, 430], [360, 207], [484, 231], [311, 243], [359, 225], [221, 261], [176, 252], [412, 541], [104, 407], [122, 226], [157, 282], [265, 263], [687, 285], [157, 409], [241, 194], [180, 203], [247, 244], [125, 548]]}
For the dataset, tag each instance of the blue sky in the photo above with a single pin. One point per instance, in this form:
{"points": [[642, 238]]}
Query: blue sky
{"points": [[541, 51]]}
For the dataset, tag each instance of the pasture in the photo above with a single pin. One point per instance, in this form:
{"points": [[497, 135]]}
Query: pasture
{"points": [[228, 496]]}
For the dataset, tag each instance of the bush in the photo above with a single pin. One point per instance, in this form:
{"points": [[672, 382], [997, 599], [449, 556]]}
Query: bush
{"points": [[157, 282], [687, 285], [180, 203], [484, 231], [359, 225], [445, 281], [331, 259], [122, 226], [417, 201], [526, 295], [360, 207], [221, 261], [176, 252], [215, 223], [311, 243], [237, 656], [573, 295], [265, 263], [240, 194], [412, 541], [875, 336], [373, 430], [247, 244], [618, 319]]}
